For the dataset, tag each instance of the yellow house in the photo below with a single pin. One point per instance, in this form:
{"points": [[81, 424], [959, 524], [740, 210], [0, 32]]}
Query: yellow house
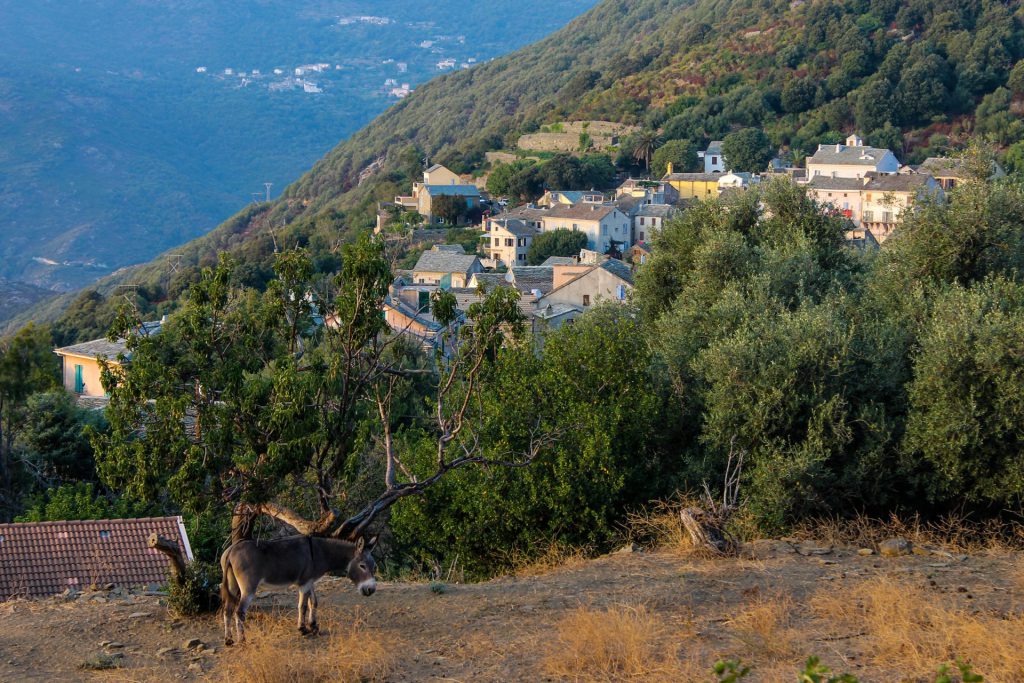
{"points": [[693, 185], [80, 363]]}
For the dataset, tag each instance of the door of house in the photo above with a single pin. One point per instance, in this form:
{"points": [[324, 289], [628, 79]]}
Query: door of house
{"points": [[79, 380]]}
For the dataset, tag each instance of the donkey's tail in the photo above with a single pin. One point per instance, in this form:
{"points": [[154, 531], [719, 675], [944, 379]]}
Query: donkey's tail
{"points": [[229, 590]]}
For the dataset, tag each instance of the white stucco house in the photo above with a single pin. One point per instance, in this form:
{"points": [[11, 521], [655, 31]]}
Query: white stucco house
{"points": [[851, 160]]}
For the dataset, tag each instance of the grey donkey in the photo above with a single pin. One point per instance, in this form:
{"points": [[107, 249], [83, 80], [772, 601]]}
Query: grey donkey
{"points": [[292, 561]]}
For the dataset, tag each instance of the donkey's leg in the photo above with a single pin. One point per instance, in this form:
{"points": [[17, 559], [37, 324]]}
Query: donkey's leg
{"points": [[314, 627], [243, 608], [228, 614], [303, 606]]}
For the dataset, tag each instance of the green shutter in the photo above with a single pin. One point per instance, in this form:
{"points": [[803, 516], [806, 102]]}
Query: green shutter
{"points": [[79, 380]]}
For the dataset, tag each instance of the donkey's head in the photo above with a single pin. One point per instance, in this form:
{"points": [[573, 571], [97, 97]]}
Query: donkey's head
{"points": [[362, 568]]}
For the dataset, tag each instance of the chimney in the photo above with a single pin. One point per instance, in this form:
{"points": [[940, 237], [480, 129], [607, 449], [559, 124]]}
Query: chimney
{"points": [[668, 168]]}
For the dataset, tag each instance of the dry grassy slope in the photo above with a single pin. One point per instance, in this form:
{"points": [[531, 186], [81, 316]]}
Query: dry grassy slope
{"points": [[636, 616]]}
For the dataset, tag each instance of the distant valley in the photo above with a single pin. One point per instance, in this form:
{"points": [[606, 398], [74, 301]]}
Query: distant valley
{"points": [[129, 127]]}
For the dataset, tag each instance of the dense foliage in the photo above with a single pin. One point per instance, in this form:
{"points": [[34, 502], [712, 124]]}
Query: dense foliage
{"points": [[561, 242]]}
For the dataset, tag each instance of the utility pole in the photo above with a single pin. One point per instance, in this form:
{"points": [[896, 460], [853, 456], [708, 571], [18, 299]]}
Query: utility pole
{"points": [[268, 186]]}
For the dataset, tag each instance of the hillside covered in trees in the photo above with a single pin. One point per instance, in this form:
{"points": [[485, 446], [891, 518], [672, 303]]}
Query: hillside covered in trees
{"points": [[917, 77]]}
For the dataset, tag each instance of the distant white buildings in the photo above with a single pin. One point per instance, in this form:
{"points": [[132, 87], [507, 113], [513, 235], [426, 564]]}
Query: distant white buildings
{"points": [[200, 69], [446, 64], [373, 21]]}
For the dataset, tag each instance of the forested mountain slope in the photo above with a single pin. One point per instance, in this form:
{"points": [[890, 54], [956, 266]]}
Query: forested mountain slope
{"points": [[919, 77]]}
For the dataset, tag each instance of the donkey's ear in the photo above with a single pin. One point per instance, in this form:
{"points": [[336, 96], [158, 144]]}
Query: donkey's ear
{"points": [[372, 544], [360, 544]]}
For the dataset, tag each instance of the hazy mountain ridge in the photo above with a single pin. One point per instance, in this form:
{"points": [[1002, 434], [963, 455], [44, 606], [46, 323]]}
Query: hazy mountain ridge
{"points": [[114, 148]]}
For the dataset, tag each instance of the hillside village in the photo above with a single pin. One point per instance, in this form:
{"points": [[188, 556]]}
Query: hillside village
{"points": [[616, 229], [619, 226]]}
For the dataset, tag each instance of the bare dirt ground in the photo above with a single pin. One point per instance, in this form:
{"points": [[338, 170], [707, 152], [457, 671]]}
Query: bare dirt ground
{"points": [[867, 615]]}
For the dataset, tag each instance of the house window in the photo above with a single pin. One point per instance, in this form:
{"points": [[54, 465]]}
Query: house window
{"points": [[522, 241], [869, 216], [620, 292], [604, 229], [641, 237], [575, 227], [641, 220], [510, 242], [714, 160], [887, 216], [497, 241], [586, 299], [104, 534], [522, 257], [79, 380]]}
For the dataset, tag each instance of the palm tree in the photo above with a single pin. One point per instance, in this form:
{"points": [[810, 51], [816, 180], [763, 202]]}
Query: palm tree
{"points": [[646, 142]]}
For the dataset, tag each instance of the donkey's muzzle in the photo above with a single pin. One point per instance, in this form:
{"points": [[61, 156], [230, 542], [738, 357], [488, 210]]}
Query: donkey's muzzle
{"points": [[368, 588]]}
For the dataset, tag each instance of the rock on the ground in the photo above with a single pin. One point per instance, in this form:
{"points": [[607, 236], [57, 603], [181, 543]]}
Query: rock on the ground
{"points": [[629, 548], [192, 643], [138, 615], [895, 547], [164, 651], [864, 552]]}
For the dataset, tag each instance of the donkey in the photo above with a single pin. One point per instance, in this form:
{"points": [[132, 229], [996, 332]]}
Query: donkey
{"points": [[292, 561]]}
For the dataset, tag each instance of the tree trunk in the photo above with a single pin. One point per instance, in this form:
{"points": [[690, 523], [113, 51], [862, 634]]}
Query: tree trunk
{"points": [[706, 533], [173, 553]]}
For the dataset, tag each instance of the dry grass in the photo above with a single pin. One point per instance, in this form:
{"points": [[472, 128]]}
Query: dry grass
{"points": [[766, 629], [909, 628], [276, 653], [550, 558], [659, 526], [619, 643], [953, 532]]}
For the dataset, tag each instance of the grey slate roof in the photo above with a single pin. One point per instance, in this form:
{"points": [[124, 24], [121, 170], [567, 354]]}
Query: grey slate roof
{"points": [[492, 280], [715, 147], [943, 166], [617, 267], [849, 156], [456, 190], [450, 248], [560, 261], [897, 183], [517, 227], [444, 262], [657, 210], [528, 278], [820, 182], [524, 212], [583, 212], [106, 348]]}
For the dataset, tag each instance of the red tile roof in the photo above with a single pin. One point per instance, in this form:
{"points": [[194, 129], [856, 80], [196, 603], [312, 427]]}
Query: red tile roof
{"points": [[45, 558]]}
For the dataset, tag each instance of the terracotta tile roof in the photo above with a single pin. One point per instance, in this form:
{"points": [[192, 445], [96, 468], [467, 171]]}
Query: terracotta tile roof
{"points": [[45, 558]]}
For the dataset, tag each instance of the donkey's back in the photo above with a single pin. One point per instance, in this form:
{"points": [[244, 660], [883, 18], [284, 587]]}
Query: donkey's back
{"points": [[280, 562]]}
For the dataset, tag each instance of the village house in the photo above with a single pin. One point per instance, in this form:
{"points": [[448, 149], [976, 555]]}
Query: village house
{"points": [[438, 181], [509, 240], [650, 219], [712, 157], [445, 268], [80, 363], [736, 181], [838, 195], [529, 214], [579, 287], [948, 173], [40, 559], [640, 253], [648, 191], [851, 160], [692, 185], [603, 224], [552, 198], [887, 198]]}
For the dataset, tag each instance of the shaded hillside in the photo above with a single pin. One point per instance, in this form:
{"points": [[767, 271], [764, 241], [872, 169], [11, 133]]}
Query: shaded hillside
{"points": [[916, 77]]}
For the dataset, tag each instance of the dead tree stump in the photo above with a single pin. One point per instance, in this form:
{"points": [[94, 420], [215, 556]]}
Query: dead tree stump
{"points": [[707, 533], [173, 553]]}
